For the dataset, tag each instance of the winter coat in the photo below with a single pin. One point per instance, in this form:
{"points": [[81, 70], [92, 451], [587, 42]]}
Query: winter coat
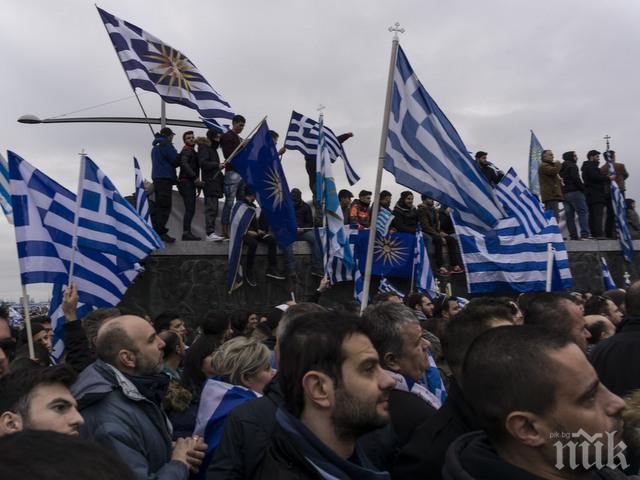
{"points": [[209, 163], [550, 181], [491, 173], [405, 219], [118, 417], [429, 219], [304, 216], [229, 141], [617, 359], [571, 181], [621, 173], [596, 183], [446, 224], [189, 169], [360, 214], [164, 159]]}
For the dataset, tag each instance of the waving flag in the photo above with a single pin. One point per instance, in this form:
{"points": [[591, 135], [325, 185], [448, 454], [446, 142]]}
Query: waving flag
{"points": [[535, 158], [520, 203], [241, 217], [5, 193], [425, 153], [620, 212], [56, 315], [385, 287], [152, 65], [385, 217], [393, 255], [142, 200], [423, 274], [259, 166], [609, 284], [303, 137]]}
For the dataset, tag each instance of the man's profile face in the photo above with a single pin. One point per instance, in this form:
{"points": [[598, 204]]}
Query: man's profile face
{"points": [[614, 313], [413, 361], [595, 158], [148, 345], [238, 127], [345, 201], [385, 201], [578, 329], [426, 306], [453, 308], [44, 339], [547, 156], [482, 160], [52, 407], [361, 400], [190, 140], [177, 326]]}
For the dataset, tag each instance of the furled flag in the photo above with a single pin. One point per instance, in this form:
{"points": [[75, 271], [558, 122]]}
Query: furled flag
{"points": [[259, 165], [620, 213], [241, 217], [142, 200], [507, 260], [5, 193], [108, 223], [609, 284], [335, 242], [44, 213], [520, 203], [424, 281], [358, 283], [303, 136], [393, 255], [425, 153], [433, 380], [56, 315], [337, 270], [535, 158], [385, 217], [385, 287], [152, 65]]}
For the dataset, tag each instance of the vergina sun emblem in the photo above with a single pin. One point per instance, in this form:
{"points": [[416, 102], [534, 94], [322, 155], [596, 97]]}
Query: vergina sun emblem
{"points": [[172, 65], [274, 187], [390, 250]]}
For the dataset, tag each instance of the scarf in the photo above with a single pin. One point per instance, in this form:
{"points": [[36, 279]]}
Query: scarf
{"points": [[151, 387], [327, 463], [407, 384]]}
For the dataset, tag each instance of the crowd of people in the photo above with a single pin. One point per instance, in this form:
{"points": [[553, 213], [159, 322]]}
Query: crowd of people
{"points": [[420, 388]]}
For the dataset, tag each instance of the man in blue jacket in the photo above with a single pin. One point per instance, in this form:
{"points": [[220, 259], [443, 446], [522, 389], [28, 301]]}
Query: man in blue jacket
{"points": [[164, 161]]}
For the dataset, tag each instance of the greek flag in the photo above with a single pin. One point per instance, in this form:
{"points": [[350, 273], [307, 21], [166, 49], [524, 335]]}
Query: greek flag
{"points": [[5, 192], [108, 223], [385, 287], [385, 217], [44, 213], [241, 216], [358, 283], [337, 270], [142, 200], [507, 260], [433, 380], [423, 274], [217, 401], [57, 320], [620, 212], [152, 65], [519, 202], [535, 158], [303, 137], [425, 153], [609, 284]]}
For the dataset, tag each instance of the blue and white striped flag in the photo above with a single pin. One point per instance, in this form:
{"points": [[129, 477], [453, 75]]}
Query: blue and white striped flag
{"points": [[5, 192], [152, 65], [620, 212], [302, 136], [337, 270], [535, 158], [142, 200], [520, 203], [241, 216], [423, 274], [508, 260], [385, 217], [609, 284], [358, 283], [57, 319], [108, 223], [44, 213], [385, 287], [433, 380], [425, 153]]}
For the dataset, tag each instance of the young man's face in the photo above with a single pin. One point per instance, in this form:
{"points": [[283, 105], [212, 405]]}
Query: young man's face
{"points": [[614, 313], [190, 140], [366, 199], [578, 327], [482, 160], [345, 201], [452, 309], [426, 306], [52, 407], [177, 325], [237, 127], [361, 401], [595, 158], [547, 156], [386, 201]]}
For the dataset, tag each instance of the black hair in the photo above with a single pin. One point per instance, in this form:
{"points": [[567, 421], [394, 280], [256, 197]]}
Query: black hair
{"points": [[364, 193], [441, 304], [547, 309], [568, 156], [480, 153], [313, 342], [215, 323], [171, 341], [384, 194], [596, 329], [55, 456], [508, 369], [238, 119], [591, 153], [212, 133], [239, 321], [163, 321], [414, 299], [344, 193], [188, 132], [616, 295], [597, 305], [275, 135], [192, 376]]}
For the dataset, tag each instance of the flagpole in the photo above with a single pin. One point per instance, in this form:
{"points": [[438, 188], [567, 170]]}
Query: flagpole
{"points": [[163, 114], [76, 219], [549, 267], [27, 322], [383, 146], [244, 142]]}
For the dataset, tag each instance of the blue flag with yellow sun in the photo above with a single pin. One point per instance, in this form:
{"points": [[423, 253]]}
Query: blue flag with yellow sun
{"points": [[392, 254], [259, 166]]}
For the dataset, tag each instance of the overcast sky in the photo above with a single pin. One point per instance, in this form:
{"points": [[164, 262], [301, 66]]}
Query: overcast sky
{"points": [[497, 68]]}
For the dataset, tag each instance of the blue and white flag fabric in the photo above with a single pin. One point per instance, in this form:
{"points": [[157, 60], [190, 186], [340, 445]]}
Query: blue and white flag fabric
{"points": [[358, 283], [218, 399], [241, 216], [507, 260], [535, 158], [609, 284], [385, 217], [393, 255], [259, 166], [433, 380], [5, 192], [519, 202], [142, 200], [425, 153], [152, 65], [423, 274], [407, 384], [620, 212], [337, 270], [57, 320], [302, 136], [385, 287], [108, 223]]}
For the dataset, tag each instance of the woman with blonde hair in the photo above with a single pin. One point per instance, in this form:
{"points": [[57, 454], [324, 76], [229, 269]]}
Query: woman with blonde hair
{"points": [[242, 369]]}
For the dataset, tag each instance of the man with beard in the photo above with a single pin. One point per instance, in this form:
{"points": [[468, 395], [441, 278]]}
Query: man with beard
{"points": [[334, 392], [120, 397], [538, 401], [39, 399], [7, 342]]}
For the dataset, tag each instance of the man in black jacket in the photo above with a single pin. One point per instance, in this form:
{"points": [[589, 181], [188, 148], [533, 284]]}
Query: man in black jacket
{"points": [[574, 199], [597, 187], [212, 179], [492, 173], [304, 224], [187, 178]]}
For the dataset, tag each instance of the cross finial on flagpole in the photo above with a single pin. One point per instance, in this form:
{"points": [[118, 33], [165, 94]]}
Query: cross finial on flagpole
{"points": [[320, 109], [607, 138], [82, 153], [627, 279], [396, 29]]}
